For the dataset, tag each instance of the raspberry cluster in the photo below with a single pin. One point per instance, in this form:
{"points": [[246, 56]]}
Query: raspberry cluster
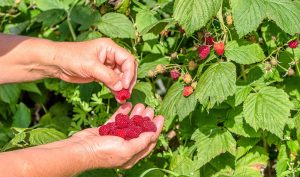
{"points": [[127, 128], [123, 94]]}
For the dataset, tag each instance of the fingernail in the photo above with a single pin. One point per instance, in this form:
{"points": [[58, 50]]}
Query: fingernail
{"points": [[118, 86]]}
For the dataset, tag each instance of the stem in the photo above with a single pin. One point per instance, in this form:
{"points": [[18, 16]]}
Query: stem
{"points": [[71, 28], [179, 43], [267, 149], [243, 72], [296, 62], [221, 20]]}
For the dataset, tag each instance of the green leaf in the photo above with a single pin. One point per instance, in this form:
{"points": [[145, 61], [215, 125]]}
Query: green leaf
{"points": [[252, 163], [216, 84], [235, 123], [99, 172], [241, 94], [6, 3], [194, 14], [116, 25], [22, 117], [88, 35], [84, 16], [145, 18], [211, 144], [45, 135], [142, 93], [285, 13], [30, 87], [175, 103], [51, 17], [283, 160], [268, 109], [49, 4], [245, 145], [247, 15], [150, 62], [244, 54], [16, 142], [9, 93]]}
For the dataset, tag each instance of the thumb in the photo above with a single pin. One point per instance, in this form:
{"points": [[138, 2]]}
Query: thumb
{"points": [[107, 76]]}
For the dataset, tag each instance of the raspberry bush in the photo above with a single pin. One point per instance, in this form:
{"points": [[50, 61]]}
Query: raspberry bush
{"points": [[224, 73]]}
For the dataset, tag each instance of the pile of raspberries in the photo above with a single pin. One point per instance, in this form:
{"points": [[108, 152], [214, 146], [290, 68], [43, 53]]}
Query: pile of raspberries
{"points": [[127, 128]]}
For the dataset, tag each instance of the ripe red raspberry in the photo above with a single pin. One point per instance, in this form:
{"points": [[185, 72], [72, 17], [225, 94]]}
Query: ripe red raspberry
{"points": [[134, 132], [121, 133], [175, 74], [219, 48], [203, 51], [138, 120], [147, 119], [123, 94], [293, 44], [149, 126], [181, 30], [187, 91], [122, 121], [104, 130], [209, 40]]}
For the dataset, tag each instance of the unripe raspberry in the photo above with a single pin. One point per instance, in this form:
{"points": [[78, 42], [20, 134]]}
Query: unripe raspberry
{"points": [[183, 50], [192, 65], [203, 51], [219, 48], [151, 73], [187, 78], [164, 33], [160, 69], [187, 91], [290, 72], [274, 61], [175, 74], [229, 20], [174, 55], [293, 44], [194, 85]]}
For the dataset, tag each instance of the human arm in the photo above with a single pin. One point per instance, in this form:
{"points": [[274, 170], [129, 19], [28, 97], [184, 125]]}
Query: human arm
{"points": [[84, 150]]}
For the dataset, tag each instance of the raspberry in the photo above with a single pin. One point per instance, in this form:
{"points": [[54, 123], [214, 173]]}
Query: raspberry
{"points": [[121, 133], [151, 73], [219, 48], [138, 120], [274, 61], [209, 40], [291, 72], [293, 44], [122, 121], [187, 91], [133, 132], [160, 69], [149, 126], [175, 74], [181, 30], [147, 119], [203, 51], [194, 85], [187, 78], [192, 65], [229, 20], [174, 55], [104, 130], [123, 94]]}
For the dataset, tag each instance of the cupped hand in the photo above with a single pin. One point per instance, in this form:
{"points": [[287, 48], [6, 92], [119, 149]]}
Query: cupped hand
{"points": [[115, 152], [99, 60]]}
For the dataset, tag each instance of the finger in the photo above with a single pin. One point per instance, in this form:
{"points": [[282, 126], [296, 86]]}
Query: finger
{"points": [[133, 82], [128, 69], [70, 79], [124, 109], [148, 112], [142, 142], [137, 110], [159, 122]]}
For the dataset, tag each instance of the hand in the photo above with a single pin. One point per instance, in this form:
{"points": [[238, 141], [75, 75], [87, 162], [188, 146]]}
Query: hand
{"points": [[115, 152], [99, 60]]}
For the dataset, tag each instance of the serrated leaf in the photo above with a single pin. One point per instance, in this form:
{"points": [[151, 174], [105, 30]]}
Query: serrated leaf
{"points": [[244, 54], [49, 4], [194, 14], [30, 87], [116, 25], [145, 18], [142, 93], [235, 123], [216, 84], [285, 13], [175, 103], [245, 145], [84, 16], [6, 3], [252, 163], [22, 117], [268, 109], [45, 135], [51, 17], [211, 144], [9, 93], [247, 15], [241, 94]]}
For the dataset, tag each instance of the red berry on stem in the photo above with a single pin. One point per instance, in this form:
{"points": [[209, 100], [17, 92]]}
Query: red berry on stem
{"points": [[187, 91], [203, 51], [123, 94], [175, 74], [122, 121], [293, 44], [219, 48], [209, 40]]}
